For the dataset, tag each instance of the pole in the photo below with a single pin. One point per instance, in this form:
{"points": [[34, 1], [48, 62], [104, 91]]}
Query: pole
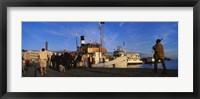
{"points": [[125, 53], [46, 45], [101, 38], [100, 41], [76, 41], [101, 34]]}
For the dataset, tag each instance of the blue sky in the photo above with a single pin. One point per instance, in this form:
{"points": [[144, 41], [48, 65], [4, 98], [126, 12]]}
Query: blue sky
{"points": [[138, 36]]}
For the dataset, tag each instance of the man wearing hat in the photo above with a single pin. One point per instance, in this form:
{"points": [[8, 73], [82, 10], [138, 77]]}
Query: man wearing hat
{"points": [[159, 55]]}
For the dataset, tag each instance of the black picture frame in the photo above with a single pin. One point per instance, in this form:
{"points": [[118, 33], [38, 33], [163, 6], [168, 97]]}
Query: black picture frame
{"points": [[99, 3]]}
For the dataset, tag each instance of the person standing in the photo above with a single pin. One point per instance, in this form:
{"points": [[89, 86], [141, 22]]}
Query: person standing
{"points": [[23, 61], [82, 62], [159, 55], [53, 60], [85, 61], [26, 57], [79, 60], [66, 60], [43, 57], [75, 60], [90, 61], [57, 61]]}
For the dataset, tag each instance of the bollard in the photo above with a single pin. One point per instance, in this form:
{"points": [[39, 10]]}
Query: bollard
{"points": [[113, 65]]}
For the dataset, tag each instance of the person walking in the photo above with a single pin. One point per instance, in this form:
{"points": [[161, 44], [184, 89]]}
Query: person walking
{"points": [[53, 60], [43, 57], [159, 55]]}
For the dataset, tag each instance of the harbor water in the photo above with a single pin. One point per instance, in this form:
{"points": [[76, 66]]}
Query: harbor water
{"points": [[169, 64]]}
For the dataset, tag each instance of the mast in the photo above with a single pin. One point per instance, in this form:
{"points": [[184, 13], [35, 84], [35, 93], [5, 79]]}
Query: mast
{"points": [[101, 34], [101, 39]]}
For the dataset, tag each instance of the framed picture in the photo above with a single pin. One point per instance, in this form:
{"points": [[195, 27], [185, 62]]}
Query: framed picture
{"points": [[90, 49]]}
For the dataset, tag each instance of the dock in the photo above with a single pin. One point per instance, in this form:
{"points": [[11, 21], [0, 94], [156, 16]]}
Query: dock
{"points": [[33, 71]]}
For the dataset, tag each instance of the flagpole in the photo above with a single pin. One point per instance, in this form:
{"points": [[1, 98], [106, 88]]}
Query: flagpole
{"points": [[124, 43]]}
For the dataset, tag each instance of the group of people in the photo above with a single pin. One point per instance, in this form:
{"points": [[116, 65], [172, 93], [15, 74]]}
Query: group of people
{"points": [[68, 60], [63, 61]]}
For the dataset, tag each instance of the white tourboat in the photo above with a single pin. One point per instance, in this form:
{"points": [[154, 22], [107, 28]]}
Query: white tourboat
{"points": [[134, 59], [131, 58], [121, 60]]}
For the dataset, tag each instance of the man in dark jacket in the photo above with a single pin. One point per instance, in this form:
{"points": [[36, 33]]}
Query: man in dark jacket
{"points": [[57, 61], [66, 60], [53, 60], [159, 55]]}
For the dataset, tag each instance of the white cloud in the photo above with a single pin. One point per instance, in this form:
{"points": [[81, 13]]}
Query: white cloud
{"points": [[61, 33]]}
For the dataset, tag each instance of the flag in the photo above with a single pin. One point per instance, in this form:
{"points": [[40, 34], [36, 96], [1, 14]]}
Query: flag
{"points": [[123, 43], [76, 34]]}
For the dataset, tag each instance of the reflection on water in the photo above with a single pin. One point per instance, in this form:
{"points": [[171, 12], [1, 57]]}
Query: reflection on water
{"points": [[169, 65]]}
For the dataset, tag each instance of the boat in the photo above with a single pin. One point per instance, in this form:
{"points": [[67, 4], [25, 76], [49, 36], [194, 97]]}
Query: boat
{"points": [[119, 62], [150, 60], [119, 53], [133, 58]]}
